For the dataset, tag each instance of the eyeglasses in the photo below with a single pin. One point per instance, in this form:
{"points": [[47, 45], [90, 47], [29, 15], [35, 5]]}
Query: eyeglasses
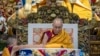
{"points": [[57, 26]]}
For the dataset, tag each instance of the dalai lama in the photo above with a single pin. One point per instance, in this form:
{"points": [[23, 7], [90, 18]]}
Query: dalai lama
{"points": [[57, 37]]}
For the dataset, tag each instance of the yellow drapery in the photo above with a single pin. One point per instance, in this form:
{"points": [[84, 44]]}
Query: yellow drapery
{"points": [[82, 11], [6, 52], [78, 9], [67, 4], [61, 40]]}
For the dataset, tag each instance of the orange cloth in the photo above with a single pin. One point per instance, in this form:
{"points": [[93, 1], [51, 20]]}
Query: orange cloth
{"points": [[5, 52]]}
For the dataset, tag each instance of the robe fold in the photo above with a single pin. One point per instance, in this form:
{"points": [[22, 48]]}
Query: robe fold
{"points": [[62, 40]]}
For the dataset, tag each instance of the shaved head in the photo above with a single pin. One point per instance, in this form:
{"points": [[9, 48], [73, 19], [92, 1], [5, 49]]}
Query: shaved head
{"points": [[58, 21], [12, 41], [57, 25]]}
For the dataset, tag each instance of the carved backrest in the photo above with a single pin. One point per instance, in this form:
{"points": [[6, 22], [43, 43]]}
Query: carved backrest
{"points": [[47, 13]]}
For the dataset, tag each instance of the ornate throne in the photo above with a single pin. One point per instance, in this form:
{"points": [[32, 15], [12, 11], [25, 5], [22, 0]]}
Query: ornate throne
{"points": [[45, 14]]}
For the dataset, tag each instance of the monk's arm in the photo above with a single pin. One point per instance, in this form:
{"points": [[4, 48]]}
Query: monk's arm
{"points": [[45, 38]]}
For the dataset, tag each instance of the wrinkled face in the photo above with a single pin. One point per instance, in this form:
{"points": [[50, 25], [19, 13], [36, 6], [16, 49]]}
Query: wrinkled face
{"points": [[57, 27]]}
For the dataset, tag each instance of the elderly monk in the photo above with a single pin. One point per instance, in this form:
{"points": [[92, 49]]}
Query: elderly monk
{"points": [[57, 37]]}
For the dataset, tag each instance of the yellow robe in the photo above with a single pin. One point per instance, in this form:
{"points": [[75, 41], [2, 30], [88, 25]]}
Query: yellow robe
{"points": [[62, 40], [85, 11], [5, 52], [67, 4]]}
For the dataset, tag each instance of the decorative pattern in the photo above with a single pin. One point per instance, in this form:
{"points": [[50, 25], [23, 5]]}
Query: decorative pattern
{"points": [[46, 14]]}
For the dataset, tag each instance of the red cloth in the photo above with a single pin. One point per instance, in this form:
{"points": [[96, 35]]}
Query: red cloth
{"points": [[42, 52], [49, 34], [10, 49], [93, 1], [62, 52]]}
